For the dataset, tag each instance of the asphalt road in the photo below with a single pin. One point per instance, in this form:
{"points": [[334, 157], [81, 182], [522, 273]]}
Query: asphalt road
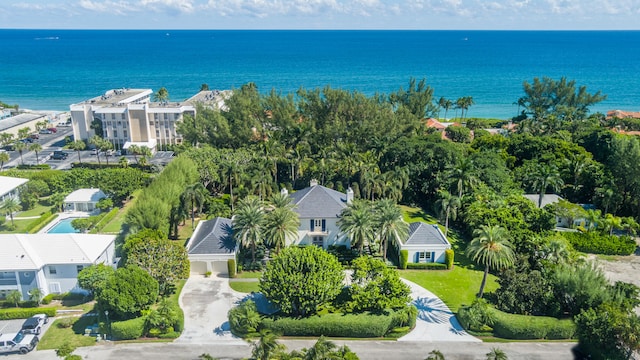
{"points": [[366, 350]]}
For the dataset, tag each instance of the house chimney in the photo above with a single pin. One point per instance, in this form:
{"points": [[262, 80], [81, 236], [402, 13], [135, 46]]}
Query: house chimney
{"points": [[313, 182], [349, 195], [284, 191]]}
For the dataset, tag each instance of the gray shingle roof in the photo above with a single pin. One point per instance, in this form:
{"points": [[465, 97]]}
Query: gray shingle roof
{"points": [[546, 198], [318, 202], [213, 237], [424, 234]]}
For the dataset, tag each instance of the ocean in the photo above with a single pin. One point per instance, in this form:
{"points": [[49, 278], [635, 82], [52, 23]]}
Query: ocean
{"points": [[51, 69]]}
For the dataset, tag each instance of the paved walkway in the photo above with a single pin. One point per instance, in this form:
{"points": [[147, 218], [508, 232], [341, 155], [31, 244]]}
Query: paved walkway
{"points": [[435, 323], [206, 302]]}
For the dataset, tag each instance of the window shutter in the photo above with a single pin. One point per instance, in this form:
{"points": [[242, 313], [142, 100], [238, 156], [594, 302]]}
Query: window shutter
{"points": [[311, 225], [324, 225], [433, 256]]}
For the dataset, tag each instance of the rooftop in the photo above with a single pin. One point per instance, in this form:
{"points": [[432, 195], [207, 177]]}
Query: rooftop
{"points": [[8, 184], [212, 237], [546, 199], [318, 201], [623, 114], [425, 234], [13, 121], [85, 195], [119, 96], [33, 251]]}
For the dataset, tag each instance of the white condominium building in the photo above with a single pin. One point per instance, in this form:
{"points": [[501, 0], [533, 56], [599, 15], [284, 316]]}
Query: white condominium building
{"points": [[128, 117]]}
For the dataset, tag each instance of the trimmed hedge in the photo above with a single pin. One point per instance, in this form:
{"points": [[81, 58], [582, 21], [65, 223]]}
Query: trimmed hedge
{"points": [[426, 266], [104, 221], [595, 243], [448, 258], [231, 267], [8, 314], [38, 224], [128, 329], [338, 325], [21, 304], [404, 258], [47, 299], [525, 327]]}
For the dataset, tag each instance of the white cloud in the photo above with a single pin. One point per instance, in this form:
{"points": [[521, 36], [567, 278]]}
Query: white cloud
{"points": [[37, 7], [265, 8], [181, 6], [112, 7]]}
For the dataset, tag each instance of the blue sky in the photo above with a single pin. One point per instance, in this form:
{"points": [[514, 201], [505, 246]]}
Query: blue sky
{"points": [[321, 14]]}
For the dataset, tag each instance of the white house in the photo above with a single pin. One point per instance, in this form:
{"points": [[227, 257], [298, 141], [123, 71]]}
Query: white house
{"points": [[319, 208], [50, 262], [83, 200], [9, 187], [562, 221], [211, 245], [426, 243]]}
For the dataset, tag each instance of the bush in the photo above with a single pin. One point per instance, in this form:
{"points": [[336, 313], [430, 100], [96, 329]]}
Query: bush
{"points": [[38, 224], [231, 266], [128, 329], [525, 327], [448, 258], [426, 266], [345, 255], [178, 326], [66, 323], [404, 258], [169, 335], [596, 243], [33, 167], [339, 325], [47, 299], [8, 314], [105, 220]]}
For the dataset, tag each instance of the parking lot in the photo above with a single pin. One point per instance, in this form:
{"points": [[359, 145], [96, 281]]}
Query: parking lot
{"points": [[11, 326]]}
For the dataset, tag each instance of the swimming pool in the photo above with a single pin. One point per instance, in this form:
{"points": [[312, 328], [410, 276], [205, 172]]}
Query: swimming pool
{"points": [[63, 227]]}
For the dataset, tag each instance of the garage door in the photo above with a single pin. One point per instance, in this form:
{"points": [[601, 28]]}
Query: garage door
{"points": [[220, 267], [198, 267]]}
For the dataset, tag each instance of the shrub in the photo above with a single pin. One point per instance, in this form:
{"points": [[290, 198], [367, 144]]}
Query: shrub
{"points": [[105, 220], [426, 266], [345, 255], [596, 243], [128, 329], [448, 258], [38, 224], [231, 266], [524, 327], [334, 324], [244, 318], [66, 323], [169, 335], [47, 299], [404, 258], [8, 314]]}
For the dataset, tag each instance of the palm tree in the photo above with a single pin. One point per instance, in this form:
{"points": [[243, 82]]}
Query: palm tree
{"points": [[162, 95], [321, 350], [57, 200], [448, 205], [194, 195], [544, 177], [446, 104], [392, 225], [248, 223], [281, 200], [10, 206], [36, 148], [281, 223], [19, 146], [556, 251], [497, 354], [35, 294], [613, 222], [105, 146], [4, 157], [266, 346], [593, 217], [78, 146], [95, 140], [124, 163], [463, 175], [356, 220], [490, 248], [135, 151]]}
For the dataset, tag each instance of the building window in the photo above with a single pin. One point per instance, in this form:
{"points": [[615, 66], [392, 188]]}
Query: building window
{"points": [[113, 116], [52, 270], [166, 116], [79, 268], [115, 133], [317, 225], [318, 241], [155, 116], [166, 133], [424, 256], [157, 133], [119, 123], [151, 123], [124, 133]]}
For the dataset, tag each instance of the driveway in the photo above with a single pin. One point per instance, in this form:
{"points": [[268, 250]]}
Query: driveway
{"points": [[206, 302], [435, 323]]}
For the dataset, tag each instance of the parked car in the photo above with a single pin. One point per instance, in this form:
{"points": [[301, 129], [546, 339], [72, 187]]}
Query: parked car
{"points": [[34, 324], [34, 136], [17, 342], [95, 152], [53, 130], [45, 131], [59, 155]]}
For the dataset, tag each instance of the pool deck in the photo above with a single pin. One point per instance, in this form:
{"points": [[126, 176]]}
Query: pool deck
{"points": [[62, 216]]}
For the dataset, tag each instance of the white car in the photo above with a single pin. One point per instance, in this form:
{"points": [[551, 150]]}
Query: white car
{"points": [[17, 342], [34, 324]]}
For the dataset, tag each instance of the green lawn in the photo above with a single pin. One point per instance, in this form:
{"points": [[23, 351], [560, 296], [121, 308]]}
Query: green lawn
{"points": [[414, 214], [38, 210], [21, 226], [115, 225], [74, 335], [249, 275], [455, 287], [244, 286]]}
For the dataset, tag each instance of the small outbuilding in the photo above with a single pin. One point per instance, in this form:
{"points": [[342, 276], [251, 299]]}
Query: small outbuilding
{"points": [[84, 200], [211, 246], [425, 244]]}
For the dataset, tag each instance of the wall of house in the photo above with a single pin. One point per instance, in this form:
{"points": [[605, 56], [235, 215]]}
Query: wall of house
{"points": [[438, 254], [66, 276], [108, 256], [201, 263], [331, 234]]}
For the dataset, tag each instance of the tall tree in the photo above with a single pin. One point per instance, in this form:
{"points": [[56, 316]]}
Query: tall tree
{"points": [[543, 178], [248, 223], [4, 157], [19, 146], [392, 227], [281, 223], [162, 95], [448, 205], [446, 104], [36, 148], [96, 140], [266, 347], [462, 175], [490, 247], [78, 146], [357, 222], [194, 195]]}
